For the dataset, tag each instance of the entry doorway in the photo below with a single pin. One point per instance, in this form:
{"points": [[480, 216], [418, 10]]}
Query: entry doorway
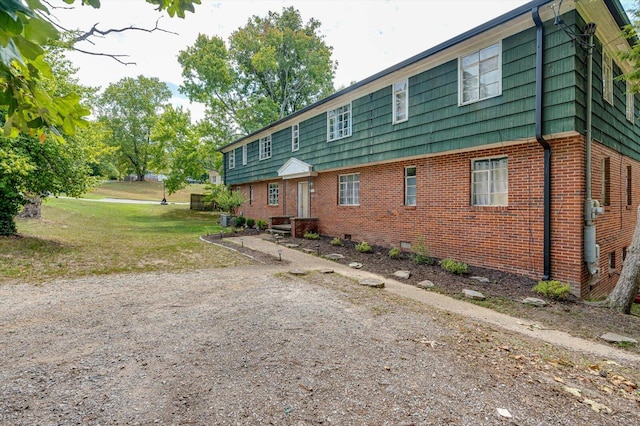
{"points": [[303, 199]]}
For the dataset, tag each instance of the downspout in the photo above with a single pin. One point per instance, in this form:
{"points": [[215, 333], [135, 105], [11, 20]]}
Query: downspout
{"points": [[546, 251]]}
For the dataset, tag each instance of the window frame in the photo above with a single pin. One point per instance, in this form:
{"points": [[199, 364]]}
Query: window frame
{"points": [[244, 155], [607, 78], [462, 80], [265, 147], [295, 137], [405, 106], [407, 186], [339, 113], [273, 193], [232, 159], [606, 181], [494, 197], [630, 107], [346, 185], [629, 186]]}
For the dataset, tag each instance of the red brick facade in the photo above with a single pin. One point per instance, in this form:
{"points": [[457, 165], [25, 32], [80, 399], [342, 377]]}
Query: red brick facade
{"points": [[507, 238]]}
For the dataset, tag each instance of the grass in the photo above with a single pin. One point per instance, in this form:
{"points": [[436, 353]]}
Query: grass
{"points": [[78, 238], [150, 191]]}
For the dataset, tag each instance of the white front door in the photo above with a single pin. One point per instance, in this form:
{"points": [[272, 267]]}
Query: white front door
{"points": [[303, 199]]}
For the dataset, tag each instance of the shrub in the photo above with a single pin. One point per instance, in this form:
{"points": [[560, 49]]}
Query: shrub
{"points": [[311, 235], [251, 223], [336, 242], [363, 247], [552, 289], [225, 199], [262, 224], [420, 255], [395, 253], [240, 221], [454, 266]]}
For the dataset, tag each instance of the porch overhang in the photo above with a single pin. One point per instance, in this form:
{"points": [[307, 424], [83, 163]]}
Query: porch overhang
{"points": [[294, 169]]}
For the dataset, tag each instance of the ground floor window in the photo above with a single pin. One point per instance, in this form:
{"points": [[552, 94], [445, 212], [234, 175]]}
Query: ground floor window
{"points": [[349, 189], [410, 186], [273, 194], [489, 182]]}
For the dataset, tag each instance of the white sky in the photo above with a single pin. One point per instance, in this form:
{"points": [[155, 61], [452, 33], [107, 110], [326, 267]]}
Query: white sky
{"points": [[367, 36]]}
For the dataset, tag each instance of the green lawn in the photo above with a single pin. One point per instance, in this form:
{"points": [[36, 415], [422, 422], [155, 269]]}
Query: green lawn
{"points": [[151, 191], [78, 237]]}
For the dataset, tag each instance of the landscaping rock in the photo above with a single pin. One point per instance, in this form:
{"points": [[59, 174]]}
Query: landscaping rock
{"points": [[292, 245], [298, 272], [534, 301], [333, 256], [402, 274], [309, 251], [426, 284], [355, 265], [372, 282], [326, 271], [616, 338], [481, 279], [472, 294]]}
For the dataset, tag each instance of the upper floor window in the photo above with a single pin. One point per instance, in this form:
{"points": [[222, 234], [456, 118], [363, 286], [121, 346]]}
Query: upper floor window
{"points": [[400, 101], [339, 123], [244, 155], [630, 103], [295, 137], [489, 182], [232, 158], [410, 186], [607, 78], [480, 74], [273, 194], [349, 189], [265, 147]]}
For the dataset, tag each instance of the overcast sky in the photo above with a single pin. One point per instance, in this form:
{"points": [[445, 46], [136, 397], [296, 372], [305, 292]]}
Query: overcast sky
{"points": [[367, 36]]}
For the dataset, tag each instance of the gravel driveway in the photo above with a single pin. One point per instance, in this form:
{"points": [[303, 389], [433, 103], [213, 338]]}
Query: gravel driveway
{"points": [[255, 345]]}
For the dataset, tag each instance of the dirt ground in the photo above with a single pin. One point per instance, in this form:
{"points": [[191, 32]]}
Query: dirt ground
{"points": [[257, 345]]}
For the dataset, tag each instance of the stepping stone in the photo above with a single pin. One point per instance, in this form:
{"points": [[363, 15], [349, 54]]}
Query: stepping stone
{"points": [[473, 295], [481, 279], [333, 256], [534, 301], [616, 338], [371, 282], [355, 265], [292, 245], [426, 284], [298, 272], [309, 251], [326, 271], [402, 274]]}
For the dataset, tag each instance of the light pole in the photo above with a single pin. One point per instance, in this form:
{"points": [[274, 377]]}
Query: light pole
{"points": [[164, 197]]}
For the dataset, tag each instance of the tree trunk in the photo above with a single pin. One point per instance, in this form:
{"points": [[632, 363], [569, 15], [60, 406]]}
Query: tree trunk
{"points": [[622, 296], [32, 209]]}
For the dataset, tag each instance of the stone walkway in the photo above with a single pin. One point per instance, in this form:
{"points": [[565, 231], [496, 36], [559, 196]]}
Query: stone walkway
{"points": [[302, 261]]}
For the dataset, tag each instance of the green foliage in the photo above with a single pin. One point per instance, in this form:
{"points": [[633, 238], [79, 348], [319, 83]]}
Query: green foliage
{"points": [[455, 267], [363, 247], [224, 198], [420, 255], [395, 253], [552, 289], [240, 221], [262, 224], [251, 223], [272, 67], [336, 242], [311, 235]]}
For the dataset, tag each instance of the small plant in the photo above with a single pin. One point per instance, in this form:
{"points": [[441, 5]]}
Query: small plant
{"points": [[395, 253], [262, 224], [336, 242], [363, 247], [240, 221], [251, 223], [552, 289], [420, 255], [311, 235], [454, 266]]}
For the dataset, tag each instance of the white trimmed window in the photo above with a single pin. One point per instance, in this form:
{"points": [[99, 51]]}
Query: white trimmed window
{"points": [[295, 137], [410, 186], [265, 147], [232, 159], [273, 194], [630, 103], [607, 78], [339, 123], [480, 74], [244, 155], [400, 101], [489, 182], [349, 189]]}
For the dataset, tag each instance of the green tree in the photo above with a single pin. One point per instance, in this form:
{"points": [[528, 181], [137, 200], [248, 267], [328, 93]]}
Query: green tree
{"points": [[130, 109], [273, 67]]}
